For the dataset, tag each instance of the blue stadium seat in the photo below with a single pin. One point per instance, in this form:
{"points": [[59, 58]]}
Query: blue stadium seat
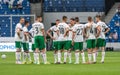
{"points": [[74, 5]]}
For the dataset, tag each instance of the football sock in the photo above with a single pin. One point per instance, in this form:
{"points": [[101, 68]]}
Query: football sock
{"points": [[83, 57], [55, 58], [29, 57], [34, 55], [24, 56], [18, 56], [69, 56], [59, 56], [44, 58], [94, 57], [89, 57], [77, 57], [37, 57], [65, 56], [103, 56]]}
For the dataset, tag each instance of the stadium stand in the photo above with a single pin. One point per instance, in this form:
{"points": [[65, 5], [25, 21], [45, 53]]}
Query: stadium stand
{"points": [[114, 29], [74, 5], [12, 7]]}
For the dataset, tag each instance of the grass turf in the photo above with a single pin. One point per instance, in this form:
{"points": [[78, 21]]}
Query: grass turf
{"points": [[110, 67]]}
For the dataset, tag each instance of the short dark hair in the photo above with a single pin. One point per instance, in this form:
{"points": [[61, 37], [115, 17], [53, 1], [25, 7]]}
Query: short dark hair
{"points": [[98, 16], [72, 19], [26, 22], [21, 18], [64, 17], [57, 20], [38, 17], [89, 18], [77, 19]]}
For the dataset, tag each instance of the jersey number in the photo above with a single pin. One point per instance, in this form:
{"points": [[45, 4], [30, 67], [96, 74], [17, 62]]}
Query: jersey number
{"points": [[36, 30], [61, 30], [91, 30], [79, 32]]}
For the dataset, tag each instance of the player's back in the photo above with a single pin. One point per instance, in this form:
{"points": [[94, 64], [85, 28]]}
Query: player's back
{"points": [[91, 30], [62, 27], [54, 30], [37, 26], [103, 27], [78, 28]]}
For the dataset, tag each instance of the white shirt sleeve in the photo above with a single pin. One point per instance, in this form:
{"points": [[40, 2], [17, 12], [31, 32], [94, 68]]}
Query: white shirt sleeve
{"points": [[42, 26]]}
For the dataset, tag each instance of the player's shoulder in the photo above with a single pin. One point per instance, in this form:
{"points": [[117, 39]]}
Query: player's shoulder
{"points": [[18, 24], [53, 27], [86, 24]]}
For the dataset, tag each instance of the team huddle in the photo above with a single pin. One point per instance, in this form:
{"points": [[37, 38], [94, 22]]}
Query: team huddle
{"points": [[66, 38]]}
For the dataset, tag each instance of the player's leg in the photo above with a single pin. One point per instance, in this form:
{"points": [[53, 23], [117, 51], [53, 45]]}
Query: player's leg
{"points": [[98, 43], [89, 49], [103, 50], [69, 44], [28, 54], [59, 51], [18, 46], [36, 40], [34, 56], [82, 52], [55, 51], [24, 53], [76, 48], [94, 51], [65, 44], [43, 49]]}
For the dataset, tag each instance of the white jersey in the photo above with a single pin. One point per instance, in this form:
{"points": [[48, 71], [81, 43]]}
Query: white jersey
{"points": [[91, 30], [17, 38], [103, 27], [78, 29], [54, 30], [32, 32], [62, 27], [38, 28], [25, 29], [70, 33]]}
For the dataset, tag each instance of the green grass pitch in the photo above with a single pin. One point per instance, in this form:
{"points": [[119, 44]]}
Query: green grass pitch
{"points": [[110, 67]]}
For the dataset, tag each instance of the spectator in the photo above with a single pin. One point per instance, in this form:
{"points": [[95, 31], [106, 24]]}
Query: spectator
{"points": [[115, 36], [117, 23], [6, 1], [19, 6]]}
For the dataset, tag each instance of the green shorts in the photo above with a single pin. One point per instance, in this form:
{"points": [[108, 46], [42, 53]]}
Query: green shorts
{"points": [[91, 43], [100, 43], [33, 47], [18, 44], [25, 46], [62, 45], [55, 45], [78, 46], [68, 45], [39, 42]]}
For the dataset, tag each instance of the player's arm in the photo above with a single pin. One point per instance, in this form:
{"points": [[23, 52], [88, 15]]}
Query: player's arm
{"points": [[107, 30], [98, 28], [73, 36], [18, 32], [67, 30], [85, 33], [26, 34], [49, 33], [44, 35]]}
